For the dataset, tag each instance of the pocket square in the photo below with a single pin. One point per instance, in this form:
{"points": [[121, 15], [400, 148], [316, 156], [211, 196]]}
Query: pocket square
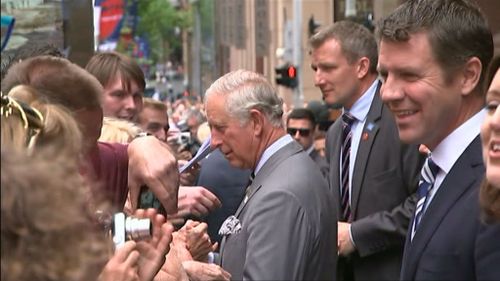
{"points": [[231, 225]]}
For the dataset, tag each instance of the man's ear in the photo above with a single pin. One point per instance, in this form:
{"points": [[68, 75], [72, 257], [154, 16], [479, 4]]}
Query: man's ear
{"points": [[257, 120], [471, 74], [363, 66]]}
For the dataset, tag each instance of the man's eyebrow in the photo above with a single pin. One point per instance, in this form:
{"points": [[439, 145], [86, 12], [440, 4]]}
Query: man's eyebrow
{"points": [[495, 93]]}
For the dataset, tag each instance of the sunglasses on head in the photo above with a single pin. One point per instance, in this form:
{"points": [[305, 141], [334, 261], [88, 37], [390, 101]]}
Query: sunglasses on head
{"points": [[302, 132]]}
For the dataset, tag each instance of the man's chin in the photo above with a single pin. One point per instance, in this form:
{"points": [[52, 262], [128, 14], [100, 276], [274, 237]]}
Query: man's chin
{"points": [[333, 105]]}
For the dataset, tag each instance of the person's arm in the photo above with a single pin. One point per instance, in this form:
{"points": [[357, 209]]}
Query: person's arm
{"points": [[153, 251], [386, 229], [152, 163], [123, 265], [200, 271], [194, 201], [193, 241]]}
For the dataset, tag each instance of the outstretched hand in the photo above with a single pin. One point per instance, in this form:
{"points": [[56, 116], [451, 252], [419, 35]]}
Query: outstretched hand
{"points": [[152, 163]]}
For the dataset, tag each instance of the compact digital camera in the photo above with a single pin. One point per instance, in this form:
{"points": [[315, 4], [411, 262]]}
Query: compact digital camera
{"points": [[129, 228]]}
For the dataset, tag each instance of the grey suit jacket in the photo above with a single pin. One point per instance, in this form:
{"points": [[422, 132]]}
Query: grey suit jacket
{"points": [[287, 223], [384, 182], [451, 243], [321, 162]]}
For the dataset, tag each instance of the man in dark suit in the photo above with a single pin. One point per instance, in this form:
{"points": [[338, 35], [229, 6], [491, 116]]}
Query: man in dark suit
{"points": [[301, 125], [372, 174], [283, 228], [433, 55]]}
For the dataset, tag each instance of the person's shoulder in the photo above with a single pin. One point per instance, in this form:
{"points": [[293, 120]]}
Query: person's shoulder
{"points": [[112, 150]]}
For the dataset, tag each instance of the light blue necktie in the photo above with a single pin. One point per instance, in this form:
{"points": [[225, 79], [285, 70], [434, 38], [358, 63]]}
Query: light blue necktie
{"points": [[426, 183]]}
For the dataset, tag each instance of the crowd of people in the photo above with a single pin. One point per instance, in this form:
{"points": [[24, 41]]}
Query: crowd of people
{"points": [[406, 185]]}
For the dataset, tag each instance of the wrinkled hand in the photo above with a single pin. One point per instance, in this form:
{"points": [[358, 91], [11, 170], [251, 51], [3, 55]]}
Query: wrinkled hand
{"points": [[195, 200], [199, 271], [194, 238], [152, 163], [344, 240], [123, 265], [172, 269], [153, 251]]}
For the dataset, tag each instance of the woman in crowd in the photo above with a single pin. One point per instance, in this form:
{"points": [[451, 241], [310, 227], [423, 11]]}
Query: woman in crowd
{"points": [[490, 134], [48, 225]]}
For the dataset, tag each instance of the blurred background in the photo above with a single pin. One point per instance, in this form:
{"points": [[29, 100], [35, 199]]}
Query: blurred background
{"points": [[184, 45]]}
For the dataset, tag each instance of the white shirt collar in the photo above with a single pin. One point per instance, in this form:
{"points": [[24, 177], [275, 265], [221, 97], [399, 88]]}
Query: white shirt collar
{"points": [[275, 146], [361, 107], [449, 150]]}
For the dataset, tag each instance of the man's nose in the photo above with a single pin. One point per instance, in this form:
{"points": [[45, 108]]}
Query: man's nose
{"points": [[296, 135], [391, 90], [129, 102], [215, 140], [318, 78]]}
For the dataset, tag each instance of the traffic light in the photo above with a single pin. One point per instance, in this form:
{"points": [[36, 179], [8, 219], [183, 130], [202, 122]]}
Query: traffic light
{"points": [[286, 75]]}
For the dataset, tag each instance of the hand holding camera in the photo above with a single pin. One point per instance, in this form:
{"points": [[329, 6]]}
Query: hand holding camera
{"points": [[129, 228], [148, 236]]}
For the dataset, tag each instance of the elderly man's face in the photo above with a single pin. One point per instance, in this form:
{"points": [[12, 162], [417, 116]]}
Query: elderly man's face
{"points": [[235, 141], [426, 106]]}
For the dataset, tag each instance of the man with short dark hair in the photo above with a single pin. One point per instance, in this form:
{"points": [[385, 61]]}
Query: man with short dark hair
{"points": [[372, 174], [153, 118], [301, 125], [433, 56], [123, 81]]}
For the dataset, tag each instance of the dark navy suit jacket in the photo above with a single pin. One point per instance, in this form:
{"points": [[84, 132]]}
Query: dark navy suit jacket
{"points": [[451, 242]]}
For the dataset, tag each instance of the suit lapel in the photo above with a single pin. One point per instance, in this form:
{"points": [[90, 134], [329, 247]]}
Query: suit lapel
{"points": [[266, 170], [283, 153], [461, 178], [366, 141]]}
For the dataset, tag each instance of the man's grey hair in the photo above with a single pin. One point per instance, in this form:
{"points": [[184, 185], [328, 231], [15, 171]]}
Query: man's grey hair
{"points": [[197, 115], [245, 90]]}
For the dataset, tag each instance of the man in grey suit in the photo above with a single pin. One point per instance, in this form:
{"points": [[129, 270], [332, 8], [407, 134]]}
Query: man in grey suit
{"points": [[373, 175], [283, 228], [433, 56], [301, 125]]}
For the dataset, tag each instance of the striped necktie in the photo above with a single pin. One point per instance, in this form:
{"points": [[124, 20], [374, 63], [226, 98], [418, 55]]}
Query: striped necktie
{"points": [[426, 183], [347, 121]]}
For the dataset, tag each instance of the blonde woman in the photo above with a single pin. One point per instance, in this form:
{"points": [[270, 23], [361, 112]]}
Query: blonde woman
{"points": [[118, 130]]}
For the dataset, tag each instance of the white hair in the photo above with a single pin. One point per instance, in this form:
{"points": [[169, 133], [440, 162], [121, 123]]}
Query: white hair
{"points": [[245, 90]]}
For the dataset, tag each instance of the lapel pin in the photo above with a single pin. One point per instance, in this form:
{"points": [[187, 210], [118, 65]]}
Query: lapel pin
{"points": [[364, 136], [370, 126]]}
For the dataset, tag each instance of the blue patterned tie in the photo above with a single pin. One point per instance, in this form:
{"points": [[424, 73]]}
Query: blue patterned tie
{"points": [[347, 121], [426, 183]]}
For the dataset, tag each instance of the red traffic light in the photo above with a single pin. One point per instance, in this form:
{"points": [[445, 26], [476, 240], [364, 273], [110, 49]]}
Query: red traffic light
{"points": [[292, 71]]}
